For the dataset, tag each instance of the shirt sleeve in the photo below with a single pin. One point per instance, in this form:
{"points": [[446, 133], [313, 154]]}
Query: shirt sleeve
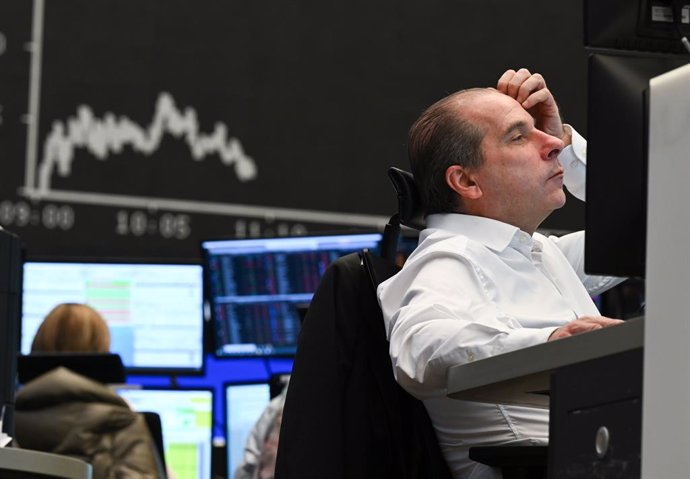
{"points": [[574, 161], [573, 248], [437, 316]]}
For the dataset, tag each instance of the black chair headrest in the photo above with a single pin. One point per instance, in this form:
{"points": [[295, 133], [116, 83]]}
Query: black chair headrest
{"points": [[105, 368], [410, 208]]}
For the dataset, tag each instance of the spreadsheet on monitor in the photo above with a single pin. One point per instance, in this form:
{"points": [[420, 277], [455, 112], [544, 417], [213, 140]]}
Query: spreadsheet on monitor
{"points": [[187, 423], [257, 286], [154, 311]]}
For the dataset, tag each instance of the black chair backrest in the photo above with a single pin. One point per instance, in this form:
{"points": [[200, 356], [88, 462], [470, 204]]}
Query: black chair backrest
{"points": [[101, 367], [410, 208], [410, 211], [153, 423]]}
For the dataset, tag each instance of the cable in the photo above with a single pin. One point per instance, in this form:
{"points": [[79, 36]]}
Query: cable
{"points": [[677, 7], [686, 43]]}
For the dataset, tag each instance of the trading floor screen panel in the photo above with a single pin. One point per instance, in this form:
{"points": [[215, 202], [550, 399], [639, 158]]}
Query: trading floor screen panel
{"points": [[257, 287], [154, 311], [187, 423], [244, 405]]}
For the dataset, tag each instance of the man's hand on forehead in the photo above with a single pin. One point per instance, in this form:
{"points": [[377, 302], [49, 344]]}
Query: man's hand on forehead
{"points": [[529, 89]]}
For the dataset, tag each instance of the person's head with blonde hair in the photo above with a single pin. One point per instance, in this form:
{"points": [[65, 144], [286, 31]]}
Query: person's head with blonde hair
{"points": [[72, 327]]}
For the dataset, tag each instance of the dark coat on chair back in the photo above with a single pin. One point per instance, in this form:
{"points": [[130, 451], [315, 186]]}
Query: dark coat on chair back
{"points": [[345, 416]]}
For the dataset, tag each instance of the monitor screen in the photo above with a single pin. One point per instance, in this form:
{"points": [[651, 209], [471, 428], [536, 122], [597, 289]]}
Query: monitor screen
{"points": [[642, 25], [154, 311], [616, 207], [187, 423], [256, 287], [244, 404]]}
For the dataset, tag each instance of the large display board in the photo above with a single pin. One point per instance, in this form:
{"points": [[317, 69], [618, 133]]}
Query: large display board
{"points": [[132, 128]]}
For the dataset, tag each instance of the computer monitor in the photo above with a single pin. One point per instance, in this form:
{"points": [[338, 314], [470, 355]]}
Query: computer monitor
{"points": [[187, 422], [642, 25], [255, 287], [244, 405], [617, 149], [154, 311]]}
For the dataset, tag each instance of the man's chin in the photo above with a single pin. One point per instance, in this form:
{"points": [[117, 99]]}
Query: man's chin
{"points": [[559, 202]]}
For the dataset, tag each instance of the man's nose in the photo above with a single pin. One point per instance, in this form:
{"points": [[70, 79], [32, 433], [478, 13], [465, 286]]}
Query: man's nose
{"points": [[552, 146]]}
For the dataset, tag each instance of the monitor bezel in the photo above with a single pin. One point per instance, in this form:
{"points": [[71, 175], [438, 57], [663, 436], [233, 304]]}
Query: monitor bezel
{"points": [[143, 371]]}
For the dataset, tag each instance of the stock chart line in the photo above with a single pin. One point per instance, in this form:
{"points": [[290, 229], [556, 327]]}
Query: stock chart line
{"points": [[51, 154], [111, 134]]}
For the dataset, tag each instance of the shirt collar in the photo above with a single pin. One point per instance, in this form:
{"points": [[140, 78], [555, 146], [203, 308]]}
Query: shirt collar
{"points": [[494, 234]]}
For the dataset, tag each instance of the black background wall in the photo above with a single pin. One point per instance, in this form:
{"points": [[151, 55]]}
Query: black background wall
{"points": [[105, 103]]}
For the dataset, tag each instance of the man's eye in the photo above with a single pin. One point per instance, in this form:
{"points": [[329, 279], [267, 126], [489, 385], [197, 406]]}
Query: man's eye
{"points": [[517, 138]]}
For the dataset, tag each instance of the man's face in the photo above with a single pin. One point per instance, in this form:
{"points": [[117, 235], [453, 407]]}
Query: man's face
{"points": [[520, 178]]}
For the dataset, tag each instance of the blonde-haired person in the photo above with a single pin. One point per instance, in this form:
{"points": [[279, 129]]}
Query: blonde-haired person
{"points": [[65, 413], [72, 327]]}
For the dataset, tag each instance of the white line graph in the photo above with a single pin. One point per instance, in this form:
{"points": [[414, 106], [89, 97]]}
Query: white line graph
{"points": [[111, 134], [108, 135]]}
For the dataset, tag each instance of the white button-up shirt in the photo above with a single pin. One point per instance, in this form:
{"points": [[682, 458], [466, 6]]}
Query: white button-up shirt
{"points": [[473, 288]]}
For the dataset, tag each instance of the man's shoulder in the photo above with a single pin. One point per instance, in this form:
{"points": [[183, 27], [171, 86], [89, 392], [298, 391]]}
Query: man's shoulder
{"points": [[435, 248]]}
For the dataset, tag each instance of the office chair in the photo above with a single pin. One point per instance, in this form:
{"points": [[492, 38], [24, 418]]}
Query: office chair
{"points": [[345, 416], [410, 211]]}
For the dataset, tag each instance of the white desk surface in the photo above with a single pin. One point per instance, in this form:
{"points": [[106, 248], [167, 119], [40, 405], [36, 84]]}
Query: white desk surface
{"points": [[523, 376]]}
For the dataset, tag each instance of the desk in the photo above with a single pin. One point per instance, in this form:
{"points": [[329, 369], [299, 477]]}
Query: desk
{"points": [[594, 381], [523, 377], [26, 464]]}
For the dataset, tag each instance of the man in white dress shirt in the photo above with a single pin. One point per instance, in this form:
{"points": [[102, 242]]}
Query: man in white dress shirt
{"points": [[490, 165]]}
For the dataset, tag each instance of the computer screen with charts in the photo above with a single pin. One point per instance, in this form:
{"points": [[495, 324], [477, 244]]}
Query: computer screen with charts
{"points": [[244, 405], [154, 311], [256, 287], [187, 422]]}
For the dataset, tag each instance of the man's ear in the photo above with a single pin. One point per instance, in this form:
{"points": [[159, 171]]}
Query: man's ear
{"points": [[463, 182]]}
